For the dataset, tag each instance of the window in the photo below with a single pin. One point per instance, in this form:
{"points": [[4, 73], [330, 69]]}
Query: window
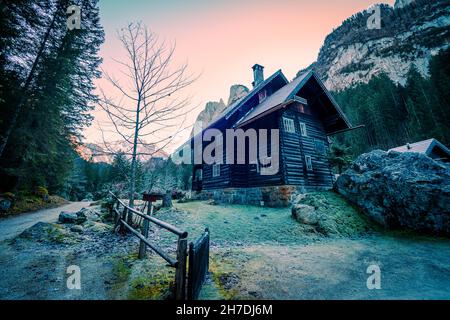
{"points": [[303, 129], [262, 96], [320, 147], [199, 175], [288, 125], [308, 162], [216, 170]]}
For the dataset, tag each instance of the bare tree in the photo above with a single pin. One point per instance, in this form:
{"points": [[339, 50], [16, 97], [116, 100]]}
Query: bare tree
{"points": [[148, 106]]}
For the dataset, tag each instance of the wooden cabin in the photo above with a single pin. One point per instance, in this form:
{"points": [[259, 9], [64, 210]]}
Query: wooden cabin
{"points": [[305, 114]]}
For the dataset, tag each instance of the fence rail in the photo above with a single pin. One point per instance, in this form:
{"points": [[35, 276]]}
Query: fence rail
{"points": [[124, 221]]}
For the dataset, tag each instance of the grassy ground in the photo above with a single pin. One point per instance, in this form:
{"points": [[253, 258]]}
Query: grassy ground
{"points": [[263, 253]]}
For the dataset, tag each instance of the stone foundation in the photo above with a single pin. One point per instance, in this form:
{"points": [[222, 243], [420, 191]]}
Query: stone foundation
{"points": [[273, 196]]}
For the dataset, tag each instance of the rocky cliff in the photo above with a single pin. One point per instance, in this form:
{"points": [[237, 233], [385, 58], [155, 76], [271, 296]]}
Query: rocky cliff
{"points": [[213, 108], [410, 33]]}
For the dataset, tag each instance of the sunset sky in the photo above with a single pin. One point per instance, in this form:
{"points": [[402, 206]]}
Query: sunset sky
{"points": [[222, 39]]}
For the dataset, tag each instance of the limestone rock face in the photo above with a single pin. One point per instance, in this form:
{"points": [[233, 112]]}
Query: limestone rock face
{"points": [[237, 91], [410, 34], [402, 3], [213, 109], [400, 190]]}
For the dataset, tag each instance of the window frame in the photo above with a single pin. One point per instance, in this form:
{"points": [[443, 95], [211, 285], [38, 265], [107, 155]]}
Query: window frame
{"points": [[216, 170], [303, 129], [289, 125], [262, 95], [309, 165]]}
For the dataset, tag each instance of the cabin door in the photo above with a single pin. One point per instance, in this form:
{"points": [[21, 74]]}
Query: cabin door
{"points": [[197, 181]]}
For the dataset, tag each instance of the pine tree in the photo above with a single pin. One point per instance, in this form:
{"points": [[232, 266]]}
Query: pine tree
{"points": [[57, 100]]}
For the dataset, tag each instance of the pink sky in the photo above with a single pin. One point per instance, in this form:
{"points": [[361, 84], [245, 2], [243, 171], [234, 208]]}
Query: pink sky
{"points": [[222, 40]]}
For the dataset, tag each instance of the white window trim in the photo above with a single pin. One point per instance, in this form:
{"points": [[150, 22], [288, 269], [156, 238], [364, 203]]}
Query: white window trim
{"points": [[289, 125], [303, 130], [308, 162], [216, 170], [262, 95]]}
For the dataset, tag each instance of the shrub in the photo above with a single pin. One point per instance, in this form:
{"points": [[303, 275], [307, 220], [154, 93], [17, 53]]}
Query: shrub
{"points": [[9, 195], [41, 192]]}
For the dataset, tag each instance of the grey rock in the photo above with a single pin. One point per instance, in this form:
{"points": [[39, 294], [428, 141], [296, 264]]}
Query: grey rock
{"points": [[305, 214], [400, 190], [72, 217], [89, 214], [5, 204], [77, 228]]}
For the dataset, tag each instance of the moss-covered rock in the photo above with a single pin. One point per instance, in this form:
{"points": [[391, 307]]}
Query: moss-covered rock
{"points": [[328, 213], [49, 233]]}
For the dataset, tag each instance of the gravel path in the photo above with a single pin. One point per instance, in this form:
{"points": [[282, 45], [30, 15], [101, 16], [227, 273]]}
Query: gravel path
{"points": [[14, 225]]}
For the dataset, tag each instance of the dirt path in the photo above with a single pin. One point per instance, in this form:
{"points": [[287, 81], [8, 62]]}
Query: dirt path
{"points": [[337, 269], [262, 253], [13, 225]]}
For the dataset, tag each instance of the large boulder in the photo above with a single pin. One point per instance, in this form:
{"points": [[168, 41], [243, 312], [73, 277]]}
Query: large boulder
{"points": [[89, 214], [400, 190]]}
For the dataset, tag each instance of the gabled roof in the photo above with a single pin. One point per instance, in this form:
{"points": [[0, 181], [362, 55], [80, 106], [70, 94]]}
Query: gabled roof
{"points": [[278, 98], [287, 94], [425, 147], [230, 110]]}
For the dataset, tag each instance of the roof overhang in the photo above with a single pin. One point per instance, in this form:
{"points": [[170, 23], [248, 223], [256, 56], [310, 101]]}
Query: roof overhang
{"points": [[273, 109]]}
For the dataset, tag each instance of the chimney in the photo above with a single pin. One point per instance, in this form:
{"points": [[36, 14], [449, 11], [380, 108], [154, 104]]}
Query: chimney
{"points": [[258, 74]]}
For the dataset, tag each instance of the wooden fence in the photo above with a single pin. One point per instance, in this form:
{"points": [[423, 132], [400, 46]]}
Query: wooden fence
{"points": [[200, 250], [198, 265]]}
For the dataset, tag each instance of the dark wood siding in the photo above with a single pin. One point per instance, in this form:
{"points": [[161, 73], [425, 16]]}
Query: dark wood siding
{"points": [[247, 175], [222, 181], [291, 151], [295, 147]]}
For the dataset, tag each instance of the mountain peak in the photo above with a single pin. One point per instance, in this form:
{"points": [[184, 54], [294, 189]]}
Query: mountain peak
{"points": [[409, 36]]}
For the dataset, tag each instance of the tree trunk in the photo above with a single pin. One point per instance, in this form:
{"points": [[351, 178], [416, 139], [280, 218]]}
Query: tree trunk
{"points": [[134, 163], [167, 199]]}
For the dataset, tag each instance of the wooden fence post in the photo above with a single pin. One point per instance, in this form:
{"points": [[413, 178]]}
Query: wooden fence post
{"points": [[142, 245], [116, 217], [180, 273], [124, 218]]}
